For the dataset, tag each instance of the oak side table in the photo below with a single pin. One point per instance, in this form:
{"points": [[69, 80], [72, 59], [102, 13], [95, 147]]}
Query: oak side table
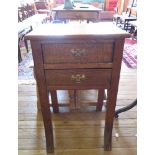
{"points": [[73, 57]]}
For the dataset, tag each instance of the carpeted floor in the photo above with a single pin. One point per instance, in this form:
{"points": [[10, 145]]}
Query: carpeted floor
{"points": [[25, 69], [130, 53]]}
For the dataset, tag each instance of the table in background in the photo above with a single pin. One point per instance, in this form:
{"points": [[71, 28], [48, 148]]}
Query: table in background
{"points": [[79, 12]]}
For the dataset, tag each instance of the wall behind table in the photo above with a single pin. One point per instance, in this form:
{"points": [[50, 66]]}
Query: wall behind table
{"points": [[96, 3], [110, 4]]}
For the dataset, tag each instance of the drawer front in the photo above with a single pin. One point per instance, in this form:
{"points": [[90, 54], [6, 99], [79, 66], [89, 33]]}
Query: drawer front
{"points": [[80, 77], [77, 15], [78, 52]]}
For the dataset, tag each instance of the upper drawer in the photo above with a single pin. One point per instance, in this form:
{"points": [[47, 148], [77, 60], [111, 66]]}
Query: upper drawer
{"points": [[76, 15], [78, 52]]}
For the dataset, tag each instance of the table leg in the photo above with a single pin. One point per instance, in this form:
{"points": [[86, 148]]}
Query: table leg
{"points": [[46, 114], [110, 112], [108, 130], [54, 101], [38, 100], [100, 100], [48, 129]]}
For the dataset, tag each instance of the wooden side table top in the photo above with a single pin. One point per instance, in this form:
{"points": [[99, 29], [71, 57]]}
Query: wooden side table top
{"points": [[76, 30]]}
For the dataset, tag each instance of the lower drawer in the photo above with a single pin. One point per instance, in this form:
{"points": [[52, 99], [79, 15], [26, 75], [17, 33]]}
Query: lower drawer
{"points": [[78, 77]]}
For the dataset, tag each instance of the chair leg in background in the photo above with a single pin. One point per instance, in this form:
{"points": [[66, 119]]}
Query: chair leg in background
{"points": [[19, 55]]}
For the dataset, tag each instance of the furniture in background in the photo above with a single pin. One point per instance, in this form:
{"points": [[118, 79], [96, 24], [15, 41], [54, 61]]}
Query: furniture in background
{"points": [[22, 31], [106, 15], [96, 3], [77, 57], [44, 8], [116, 17], [22, 14], [25, 11], [30, 9], [79, 12], [26, 26], [124, 19], [133, 30]]}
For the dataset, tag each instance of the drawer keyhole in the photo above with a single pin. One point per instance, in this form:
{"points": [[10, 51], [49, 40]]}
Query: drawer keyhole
{"points": [[78, 78]]}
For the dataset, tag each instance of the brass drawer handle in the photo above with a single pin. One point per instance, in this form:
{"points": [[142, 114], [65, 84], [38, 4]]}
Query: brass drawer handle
{"points": [[78, 78], [78, 52]]}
